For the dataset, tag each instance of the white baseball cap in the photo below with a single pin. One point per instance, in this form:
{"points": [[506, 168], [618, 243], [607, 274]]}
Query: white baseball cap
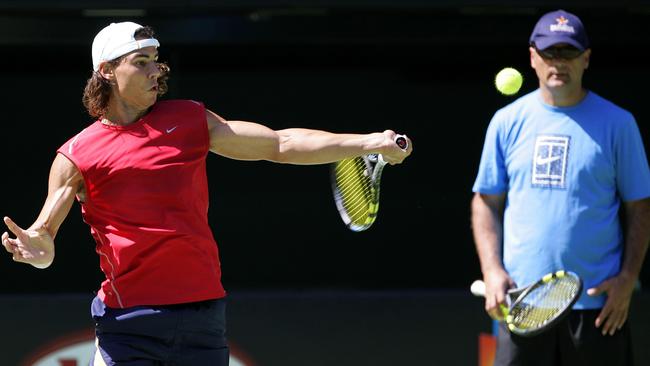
{"points": [[117, 39]]}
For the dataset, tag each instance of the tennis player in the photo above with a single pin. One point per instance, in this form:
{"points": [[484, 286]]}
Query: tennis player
{"points": [[139, 174], [559, 166]]}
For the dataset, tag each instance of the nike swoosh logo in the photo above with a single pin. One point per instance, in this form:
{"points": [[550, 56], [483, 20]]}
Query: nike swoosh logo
{"points": [[170, 130], [542, 161]]}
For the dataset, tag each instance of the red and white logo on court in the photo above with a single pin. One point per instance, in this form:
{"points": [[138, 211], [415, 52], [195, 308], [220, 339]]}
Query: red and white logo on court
{"points": [[76, 349]]}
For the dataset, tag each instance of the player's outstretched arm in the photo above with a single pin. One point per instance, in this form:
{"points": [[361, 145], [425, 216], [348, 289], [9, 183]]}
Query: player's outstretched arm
{"points": [[35, 245], [252, 141]]}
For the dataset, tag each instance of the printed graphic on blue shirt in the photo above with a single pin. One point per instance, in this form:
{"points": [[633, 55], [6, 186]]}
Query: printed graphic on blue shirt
{"points": [[550, 161]]}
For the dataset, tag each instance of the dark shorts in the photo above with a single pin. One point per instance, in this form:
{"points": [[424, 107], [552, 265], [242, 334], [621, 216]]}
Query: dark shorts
{"points": [[573, 342], [175, 335]]}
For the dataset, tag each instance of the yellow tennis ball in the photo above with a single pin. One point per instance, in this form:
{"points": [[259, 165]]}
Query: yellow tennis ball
{"points": [[508, 81]]}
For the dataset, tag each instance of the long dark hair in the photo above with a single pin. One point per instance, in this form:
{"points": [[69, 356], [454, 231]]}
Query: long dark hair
{"points": [[97, 92]]}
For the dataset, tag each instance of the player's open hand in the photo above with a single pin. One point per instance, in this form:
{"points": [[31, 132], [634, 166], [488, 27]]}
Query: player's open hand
{"points": [[619, 294], [35, 247]]}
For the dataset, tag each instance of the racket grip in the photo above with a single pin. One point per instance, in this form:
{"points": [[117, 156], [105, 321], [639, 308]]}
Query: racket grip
{"points": [[402, 142], [478, 288]]}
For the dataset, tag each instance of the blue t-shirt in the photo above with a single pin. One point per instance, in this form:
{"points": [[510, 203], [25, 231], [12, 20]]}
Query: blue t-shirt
{"points": [[565, 171]]}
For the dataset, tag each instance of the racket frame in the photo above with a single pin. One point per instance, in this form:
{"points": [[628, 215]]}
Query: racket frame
{"points": [[516, 296], [374, 166]]}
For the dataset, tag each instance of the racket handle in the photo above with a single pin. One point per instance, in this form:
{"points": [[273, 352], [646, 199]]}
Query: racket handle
{"points": [[478, 288], [402, 142]]}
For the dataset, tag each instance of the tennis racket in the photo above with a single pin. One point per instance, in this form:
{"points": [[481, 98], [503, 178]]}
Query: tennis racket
{"points": [[539, 306], [355, 184]]}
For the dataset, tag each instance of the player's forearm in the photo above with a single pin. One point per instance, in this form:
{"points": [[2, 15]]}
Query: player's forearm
{"points": [[304, 146], [55, 210], [43, 231], [637, 236], [37, 241], [65, 181], [487, 230]]}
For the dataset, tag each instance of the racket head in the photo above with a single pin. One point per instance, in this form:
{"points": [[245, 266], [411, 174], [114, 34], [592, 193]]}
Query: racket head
{"points": [[544, 303], [355, 184]]}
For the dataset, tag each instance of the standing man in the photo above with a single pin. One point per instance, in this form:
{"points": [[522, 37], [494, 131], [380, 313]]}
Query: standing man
{"points": [[139, 174], [559, 166]]}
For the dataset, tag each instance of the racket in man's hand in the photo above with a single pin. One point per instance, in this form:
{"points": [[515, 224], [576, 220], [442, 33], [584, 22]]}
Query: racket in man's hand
{"points": [[539, 306], [355, 184]]}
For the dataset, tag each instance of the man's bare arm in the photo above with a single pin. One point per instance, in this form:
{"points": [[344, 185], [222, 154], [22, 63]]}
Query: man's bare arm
{"points": [[35, 245]]}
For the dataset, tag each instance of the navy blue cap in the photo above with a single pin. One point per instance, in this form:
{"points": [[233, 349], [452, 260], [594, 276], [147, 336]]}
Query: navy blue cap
{"points": [[559, 27]]}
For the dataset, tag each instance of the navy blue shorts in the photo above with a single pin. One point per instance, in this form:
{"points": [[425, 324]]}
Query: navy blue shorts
{"points": [[174, 335], [575, 341]]}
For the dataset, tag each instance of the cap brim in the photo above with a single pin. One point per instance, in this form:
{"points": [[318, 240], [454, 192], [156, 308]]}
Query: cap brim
{"points": [[543, 43]]}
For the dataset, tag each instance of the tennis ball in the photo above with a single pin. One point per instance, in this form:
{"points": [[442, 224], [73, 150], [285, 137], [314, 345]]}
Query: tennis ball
{"points": [[508, 81]]}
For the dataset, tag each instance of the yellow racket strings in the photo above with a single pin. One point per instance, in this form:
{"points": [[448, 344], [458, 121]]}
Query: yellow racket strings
{"points": [[543, 303], [355, 189]]}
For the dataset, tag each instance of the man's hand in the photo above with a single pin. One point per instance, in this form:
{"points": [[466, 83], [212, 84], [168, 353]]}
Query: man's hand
{"points": [[392, 153], [619, 294], [497, 284], [35, 247]]}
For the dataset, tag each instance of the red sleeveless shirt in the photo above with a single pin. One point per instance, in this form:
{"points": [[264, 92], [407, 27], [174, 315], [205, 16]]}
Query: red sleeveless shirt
{"points": [[146, 204]]}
